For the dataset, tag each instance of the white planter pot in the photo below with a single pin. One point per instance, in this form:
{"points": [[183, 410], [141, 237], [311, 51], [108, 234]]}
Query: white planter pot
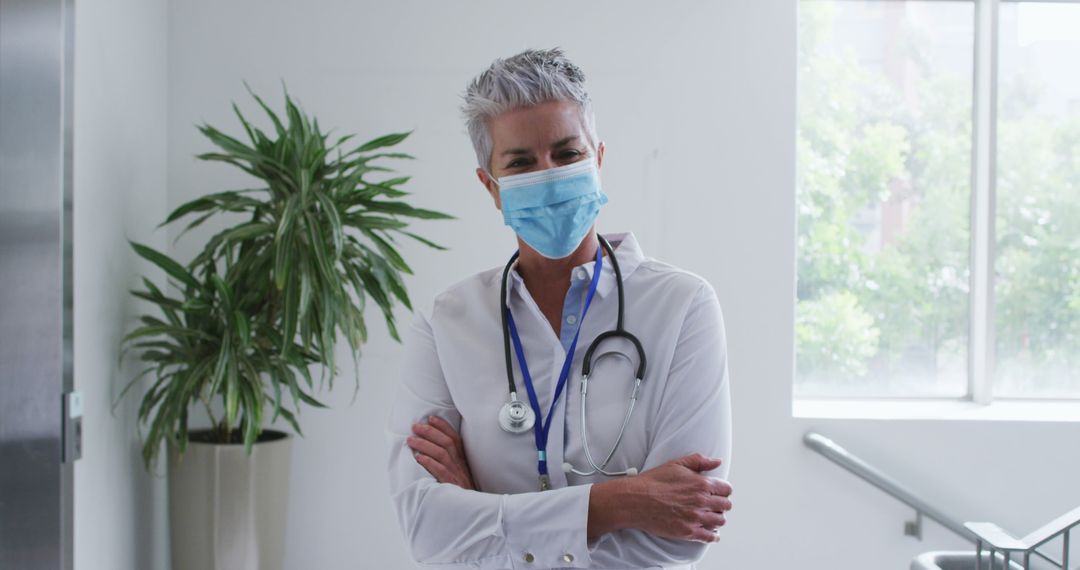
{"points": [[227, 510]]}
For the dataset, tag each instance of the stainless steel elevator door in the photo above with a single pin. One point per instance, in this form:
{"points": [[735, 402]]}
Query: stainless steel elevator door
{"points": [[35, 270]]}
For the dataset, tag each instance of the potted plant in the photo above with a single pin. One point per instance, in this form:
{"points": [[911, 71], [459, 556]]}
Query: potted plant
{"points": [[261, 304]]}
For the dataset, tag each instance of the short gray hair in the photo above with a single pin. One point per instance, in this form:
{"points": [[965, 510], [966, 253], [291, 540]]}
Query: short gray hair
{"points": [[528, 78]]}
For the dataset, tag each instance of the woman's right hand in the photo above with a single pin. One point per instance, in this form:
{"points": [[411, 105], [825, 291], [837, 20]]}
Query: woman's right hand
{"points": [[673, 500]]}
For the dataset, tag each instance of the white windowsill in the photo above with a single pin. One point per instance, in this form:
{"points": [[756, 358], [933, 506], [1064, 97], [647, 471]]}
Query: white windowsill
{"points": [[913, 409]]}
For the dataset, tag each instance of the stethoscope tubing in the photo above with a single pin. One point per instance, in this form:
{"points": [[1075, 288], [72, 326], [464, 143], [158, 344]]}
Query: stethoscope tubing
{"points": [[585, 436], [619, 331]]}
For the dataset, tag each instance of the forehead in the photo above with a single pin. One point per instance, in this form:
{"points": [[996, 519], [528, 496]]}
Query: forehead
{"points": [[536, 126]]}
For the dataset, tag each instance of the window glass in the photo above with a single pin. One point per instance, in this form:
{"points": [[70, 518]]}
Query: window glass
{"points": [[1037, 225], [883, 198]]}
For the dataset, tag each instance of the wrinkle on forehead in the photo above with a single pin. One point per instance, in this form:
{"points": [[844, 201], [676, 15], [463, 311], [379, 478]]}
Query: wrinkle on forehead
{"points": [[536, 127]]}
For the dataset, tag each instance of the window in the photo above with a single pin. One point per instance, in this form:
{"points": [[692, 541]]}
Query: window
{"points": [[1037, 245], [938, 199]]}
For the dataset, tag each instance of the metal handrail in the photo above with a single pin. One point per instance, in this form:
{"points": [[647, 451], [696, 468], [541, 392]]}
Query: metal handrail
{"points": [[987, 535], [842, 457], [998, 540]]}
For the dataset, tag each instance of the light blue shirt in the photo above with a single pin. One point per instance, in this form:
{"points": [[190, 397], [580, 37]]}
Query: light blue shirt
{"points": [[572, 305]]}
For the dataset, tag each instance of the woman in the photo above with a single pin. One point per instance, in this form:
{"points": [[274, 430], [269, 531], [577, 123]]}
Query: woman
{"points": [[469, 471]]}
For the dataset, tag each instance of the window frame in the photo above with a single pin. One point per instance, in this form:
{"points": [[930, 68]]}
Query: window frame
{"points": [[982, 213], [984, 95]]}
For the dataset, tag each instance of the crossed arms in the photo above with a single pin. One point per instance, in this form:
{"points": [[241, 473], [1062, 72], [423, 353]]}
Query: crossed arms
{"points": [[666, 515]]}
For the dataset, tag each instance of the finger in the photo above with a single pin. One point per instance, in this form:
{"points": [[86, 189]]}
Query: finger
{"points": [[430, 449], [720, 487], [701, 534], [445, 427], [710, 519], [431, 434], [718, 504], [698, 462], [458, 473], [423, 461], [438, 470]]}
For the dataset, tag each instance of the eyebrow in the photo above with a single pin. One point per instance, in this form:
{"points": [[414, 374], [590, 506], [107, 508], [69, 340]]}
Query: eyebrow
{"points": [[560, 143]]}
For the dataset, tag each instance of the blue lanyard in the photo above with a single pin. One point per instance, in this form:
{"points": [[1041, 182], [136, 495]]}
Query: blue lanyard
{"points": [[543, 425]]}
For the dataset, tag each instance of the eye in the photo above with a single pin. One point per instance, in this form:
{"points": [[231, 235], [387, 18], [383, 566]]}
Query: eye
{"points": [[570, 154], [516, 163]]}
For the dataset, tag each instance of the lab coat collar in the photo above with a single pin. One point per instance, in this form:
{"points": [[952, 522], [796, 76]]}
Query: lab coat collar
{"points": [[627, 251]]}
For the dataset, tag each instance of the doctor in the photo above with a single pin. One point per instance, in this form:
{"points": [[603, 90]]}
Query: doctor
{"points": [[498, 458]]}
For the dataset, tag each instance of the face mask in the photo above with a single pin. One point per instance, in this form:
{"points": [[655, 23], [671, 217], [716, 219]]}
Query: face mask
{"points": [[552, 210]]}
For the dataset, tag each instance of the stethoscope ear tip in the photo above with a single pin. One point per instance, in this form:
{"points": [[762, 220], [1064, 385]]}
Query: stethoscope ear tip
{"points": [[631, 471], [567, 468]]}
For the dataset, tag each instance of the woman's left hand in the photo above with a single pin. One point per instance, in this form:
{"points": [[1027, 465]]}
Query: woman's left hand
{"points": [[439, 449]]}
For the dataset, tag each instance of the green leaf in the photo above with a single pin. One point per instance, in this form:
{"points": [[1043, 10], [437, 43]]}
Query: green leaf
{"points": [[273, 117], [294, 388], [194, 224], [395, 181], [248, 231], [331, 212], [131, 383], [232, 390], [385, 190], [289, 316], [223, 291], [197, 205], [318, 245], [388, 251], [342, 140], [169, 330], [221, 363], [195, 304], [385, 140], [243, 329], [306, 289], [397, 287], [373, 222], [283, 243], [403, 209], [243, 121], [311, 401], [289, 417], [425, 241], [163, 261]]}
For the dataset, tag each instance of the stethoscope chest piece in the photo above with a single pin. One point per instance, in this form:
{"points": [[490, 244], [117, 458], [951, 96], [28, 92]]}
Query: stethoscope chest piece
{"points": [[516, 417]]}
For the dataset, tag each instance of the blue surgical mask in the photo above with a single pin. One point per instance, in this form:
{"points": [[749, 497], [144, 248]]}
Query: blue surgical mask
{"points": [[552, 210]]}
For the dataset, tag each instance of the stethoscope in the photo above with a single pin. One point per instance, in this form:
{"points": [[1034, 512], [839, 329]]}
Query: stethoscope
{"points": [[517, 417]]}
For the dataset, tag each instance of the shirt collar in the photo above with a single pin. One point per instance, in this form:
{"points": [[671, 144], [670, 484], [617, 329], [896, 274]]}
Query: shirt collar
{"points": [[627, 252]]}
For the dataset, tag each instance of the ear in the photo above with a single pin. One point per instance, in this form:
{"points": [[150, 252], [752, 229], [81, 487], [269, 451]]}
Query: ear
{"points": [[489, 185], [599, 155]]}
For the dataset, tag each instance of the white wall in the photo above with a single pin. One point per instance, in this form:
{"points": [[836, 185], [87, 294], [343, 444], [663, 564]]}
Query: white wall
{"points": [[119, 193], [696, 103]]}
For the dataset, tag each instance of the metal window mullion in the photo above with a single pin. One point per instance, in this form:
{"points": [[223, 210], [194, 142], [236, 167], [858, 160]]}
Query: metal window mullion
{"points": [[983, 186]]}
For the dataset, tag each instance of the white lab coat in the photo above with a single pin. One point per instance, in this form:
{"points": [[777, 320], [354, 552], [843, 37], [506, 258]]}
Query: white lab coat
{"points": [[454, 367]]}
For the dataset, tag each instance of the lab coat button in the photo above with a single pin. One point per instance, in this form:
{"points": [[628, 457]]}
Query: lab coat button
{"points": [[529, 557], [571, 319], [568, 557], [582, 274]]}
